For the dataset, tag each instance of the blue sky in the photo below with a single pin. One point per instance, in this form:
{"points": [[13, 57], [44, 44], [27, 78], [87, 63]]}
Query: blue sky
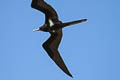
{"points": [[91, 50]]}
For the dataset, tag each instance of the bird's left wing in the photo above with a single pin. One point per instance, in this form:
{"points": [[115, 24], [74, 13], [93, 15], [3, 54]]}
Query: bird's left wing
{"points": [[51, 47], [47, 9]]}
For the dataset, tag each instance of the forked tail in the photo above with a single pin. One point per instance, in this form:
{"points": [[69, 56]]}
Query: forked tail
{"points": [[73, 22]]}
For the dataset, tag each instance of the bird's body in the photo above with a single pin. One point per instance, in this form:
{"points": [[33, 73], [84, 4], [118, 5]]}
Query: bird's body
{"points": [[54, 26]]}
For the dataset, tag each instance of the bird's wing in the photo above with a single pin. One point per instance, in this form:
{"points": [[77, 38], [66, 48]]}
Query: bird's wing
{"points": [[51, 47], [42, 6]]}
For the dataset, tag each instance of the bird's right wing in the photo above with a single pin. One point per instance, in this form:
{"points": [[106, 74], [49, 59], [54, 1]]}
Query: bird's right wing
{"points": [[51, 47]]}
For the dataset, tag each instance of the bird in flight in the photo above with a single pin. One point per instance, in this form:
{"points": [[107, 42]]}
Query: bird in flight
{"points": [[54, 26]]}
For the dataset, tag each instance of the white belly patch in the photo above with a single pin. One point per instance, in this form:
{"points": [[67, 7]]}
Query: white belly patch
{"points": [[51, 22]]}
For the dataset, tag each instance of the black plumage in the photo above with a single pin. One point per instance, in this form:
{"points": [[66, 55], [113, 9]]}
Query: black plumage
{"points": [[54, 26]]}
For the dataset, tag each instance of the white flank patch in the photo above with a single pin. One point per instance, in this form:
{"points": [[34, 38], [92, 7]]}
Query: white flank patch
{"points": [[51, 22]]}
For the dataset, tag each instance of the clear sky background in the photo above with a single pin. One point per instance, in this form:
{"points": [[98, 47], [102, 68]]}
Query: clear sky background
{"points": [[91, 50]]}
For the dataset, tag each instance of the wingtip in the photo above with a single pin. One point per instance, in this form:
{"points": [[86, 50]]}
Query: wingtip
{"points": [[71, 76]]}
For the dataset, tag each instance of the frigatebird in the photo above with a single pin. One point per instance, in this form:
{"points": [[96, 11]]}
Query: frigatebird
{"points": [[54, 26]]}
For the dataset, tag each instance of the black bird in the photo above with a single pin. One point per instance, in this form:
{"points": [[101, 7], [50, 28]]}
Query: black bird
{"points": [[54, 26]]}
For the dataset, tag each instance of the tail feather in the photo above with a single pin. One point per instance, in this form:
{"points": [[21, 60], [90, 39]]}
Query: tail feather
{"points": [[73, 22]]}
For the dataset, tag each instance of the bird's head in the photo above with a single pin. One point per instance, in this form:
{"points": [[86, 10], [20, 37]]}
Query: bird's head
{"points": [[42, 28], [38, 29]]}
